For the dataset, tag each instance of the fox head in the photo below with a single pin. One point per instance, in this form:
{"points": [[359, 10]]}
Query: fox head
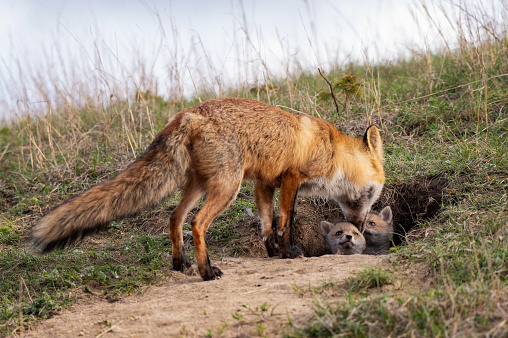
{"points": [[343, 238], [365, 179], [378, 232], [380, 223]]}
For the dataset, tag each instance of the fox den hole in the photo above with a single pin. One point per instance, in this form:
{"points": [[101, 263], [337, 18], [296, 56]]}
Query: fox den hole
{"points": [[410, 203]]}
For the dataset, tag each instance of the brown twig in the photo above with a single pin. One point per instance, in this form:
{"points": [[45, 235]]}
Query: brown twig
{"points": [[335, 101]]}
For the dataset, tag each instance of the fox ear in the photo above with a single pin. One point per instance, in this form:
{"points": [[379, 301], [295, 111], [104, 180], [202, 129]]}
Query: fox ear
{"points": [[325, 228], [386, 214], [372, 140]]}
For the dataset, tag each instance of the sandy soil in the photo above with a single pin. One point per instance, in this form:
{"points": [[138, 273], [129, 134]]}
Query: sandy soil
{"points": [[186, 306]]}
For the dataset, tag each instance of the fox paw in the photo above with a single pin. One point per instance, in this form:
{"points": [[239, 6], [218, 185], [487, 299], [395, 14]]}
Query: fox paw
{"points": [[215, 274], [181, 264]]}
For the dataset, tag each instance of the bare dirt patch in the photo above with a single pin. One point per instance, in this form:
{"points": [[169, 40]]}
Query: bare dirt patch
{"points": [[267, 294]]}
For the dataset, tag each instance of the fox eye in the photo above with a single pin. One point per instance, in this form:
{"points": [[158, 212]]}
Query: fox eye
{"points": [[372, 223], [338, 233], [355, 233]]}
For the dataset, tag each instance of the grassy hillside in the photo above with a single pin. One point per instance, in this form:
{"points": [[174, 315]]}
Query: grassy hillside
{"points": [[443, 115]]}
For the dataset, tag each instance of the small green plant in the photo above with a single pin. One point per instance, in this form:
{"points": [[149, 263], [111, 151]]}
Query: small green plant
{"points": [[105, 323], [369, 278], [237, 316], [349, 85], [260, 329], [183, 330], [221, 329]]}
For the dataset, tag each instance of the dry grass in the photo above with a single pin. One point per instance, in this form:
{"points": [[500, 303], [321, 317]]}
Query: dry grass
{"points": [[443, 113]]}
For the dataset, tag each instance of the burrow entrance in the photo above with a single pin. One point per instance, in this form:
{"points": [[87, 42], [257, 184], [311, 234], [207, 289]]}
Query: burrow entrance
{"points": [[410, 203]]}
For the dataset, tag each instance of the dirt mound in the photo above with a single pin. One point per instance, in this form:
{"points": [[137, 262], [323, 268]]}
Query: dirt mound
{"points": [[410, 202]]}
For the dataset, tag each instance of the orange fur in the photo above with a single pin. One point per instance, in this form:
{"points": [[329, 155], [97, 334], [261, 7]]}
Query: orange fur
{"points": [[211, 148]]}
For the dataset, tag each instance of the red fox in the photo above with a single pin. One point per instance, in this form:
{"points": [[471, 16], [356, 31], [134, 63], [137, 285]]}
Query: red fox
{"points": [[343, 238], [211, 148], [379, 232]]}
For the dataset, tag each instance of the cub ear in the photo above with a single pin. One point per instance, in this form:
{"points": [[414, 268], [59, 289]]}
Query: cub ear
{"points": [[386, 214], [372, 140], [325, 228]]}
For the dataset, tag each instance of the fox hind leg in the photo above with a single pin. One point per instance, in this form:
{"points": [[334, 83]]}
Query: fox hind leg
{"points": [[218, 199], [192, 194]]}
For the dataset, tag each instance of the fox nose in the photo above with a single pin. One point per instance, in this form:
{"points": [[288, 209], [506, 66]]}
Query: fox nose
{"points": [[349, 236]]}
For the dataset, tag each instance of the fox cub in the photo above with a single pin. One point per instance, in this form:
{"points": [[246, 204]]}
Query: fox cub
{"points": [[345, 239], [378, 232]]}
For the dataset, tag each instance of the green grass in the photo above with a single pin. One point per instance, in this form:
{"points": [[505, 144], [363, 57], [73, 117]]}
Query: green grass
{"points": [[369, 278], [443, 113], [51, 282], [453, 271]]}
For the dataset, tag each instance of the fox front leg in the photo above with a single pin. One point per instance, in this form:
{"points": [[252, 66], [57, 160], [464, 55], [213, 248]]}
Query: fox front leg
{"points": [[288, 191], [263, 194]]}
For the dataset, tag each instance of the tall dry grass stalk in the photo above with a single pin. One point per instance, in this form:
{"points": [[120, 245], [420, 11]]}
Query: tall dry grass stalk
{"points": [[77, 99], [480, 28]]}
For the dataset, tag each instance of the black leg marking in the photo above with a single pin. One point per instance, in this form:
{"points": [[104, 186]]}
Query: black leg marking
{"points": [[181, 263], [271, 245], [288, 249], [211, 272]]}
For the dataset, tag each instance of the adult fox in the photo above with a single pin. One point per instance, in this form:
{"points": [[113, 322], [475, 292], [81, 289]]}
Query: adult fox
{"points": [[211, 148]]}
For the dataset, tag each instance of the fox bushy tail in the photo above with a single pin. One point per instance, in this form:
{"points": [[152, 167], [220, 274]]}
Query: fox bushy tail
{"points": [[151, 178]]}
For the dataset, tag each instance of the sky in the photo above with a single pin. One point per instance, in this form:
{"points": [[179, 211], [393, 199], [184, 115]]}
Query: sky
{"points": [[185, 45]]}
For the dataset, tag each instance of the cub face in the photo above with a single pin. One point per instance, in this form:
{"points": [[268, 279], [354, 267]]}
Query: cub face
{"points": [[343, 238], [379, 232]]}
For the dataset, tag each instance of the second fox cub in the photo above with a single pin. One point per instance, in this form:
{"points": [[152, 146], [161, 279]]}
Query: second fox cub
{"points": [[210, 149], [378, 232]]}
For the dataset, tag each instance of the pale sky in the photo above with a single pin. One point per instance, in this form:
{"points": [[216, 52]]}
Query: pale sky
{"points": [[210, 41]]}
